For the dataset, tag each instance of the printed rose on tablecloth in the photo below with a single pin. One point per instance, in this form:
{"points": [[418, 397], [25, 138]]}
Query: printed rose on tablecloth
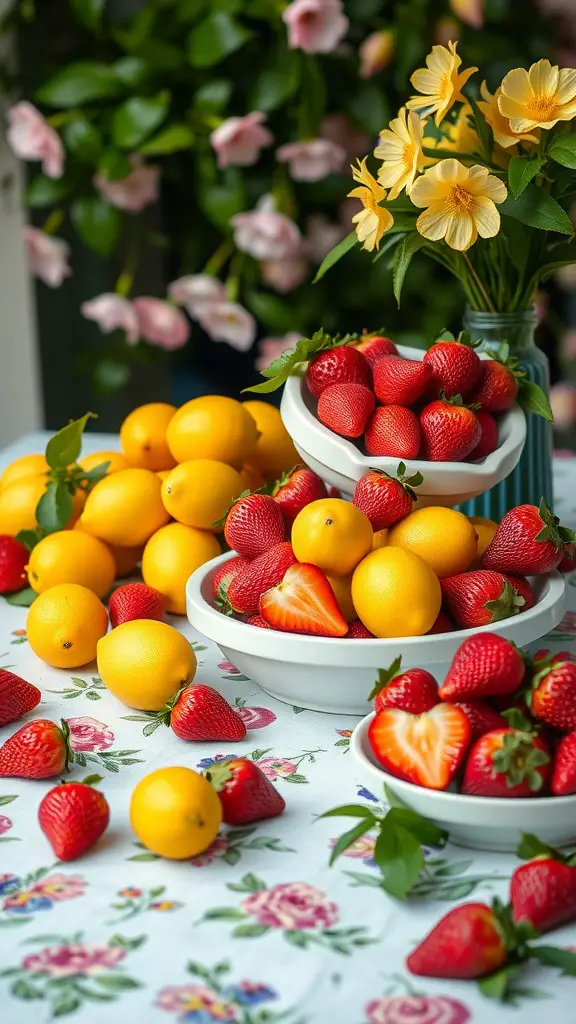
{"points": [[25, 896], [212, 998], [216, 849], [361, 849], [196, 1003], [6, 823], [88, 734], [274, 767], [292, 905], [132, 901], [284, 768], [413, 1009], [255, 717], [67, 960]]}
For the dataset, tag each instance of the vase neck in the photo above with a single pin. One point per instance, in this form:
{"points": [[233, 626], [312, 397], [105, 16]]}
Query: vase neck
{"points": [[493, 329]]}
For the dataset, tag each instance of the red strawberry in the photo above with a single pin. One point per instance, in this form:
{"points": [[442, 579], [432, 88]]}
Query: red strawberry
{"points": [[522, 587], [497, 389], [14, 558], [297, 489], [303, 602], [394, 431], [224, 576], [414, 690], [425, 749], [345, 408], [482, 717], [386, 499], [73, 816], [200, 713], [467, 942], [257, 620], [543, 892], [254, 524], [357, 631], [135, 601], [568, 560], [480, 597], [341, 365], [400, 381], [450, 431], [39, 750], [245, 793], [564, 773], [507, 763], [374, 347], [17, 697], [485, 665], [246, 589], [528, 541], [443, 624], [488, 442], [456, 368], [552, 694]]}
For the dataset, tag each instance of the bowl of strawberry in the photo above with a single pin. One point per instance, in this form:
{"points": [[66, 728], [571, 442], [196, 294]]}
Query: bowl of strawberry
{"points": [[487, 754]]}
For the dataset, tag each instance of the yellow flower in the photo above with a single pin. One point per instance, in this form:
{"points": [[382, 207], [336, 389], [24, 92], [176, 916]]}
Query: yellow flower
{"points": [[373, 220], [499, 124], [460, 137], [460, 203], [441, 82], [401, 150], [538, 98]]}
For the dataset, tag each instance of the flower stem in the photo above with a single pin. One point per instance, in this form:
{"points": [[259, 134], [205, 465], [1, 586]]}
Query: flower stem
{"points": [[479, 284]]}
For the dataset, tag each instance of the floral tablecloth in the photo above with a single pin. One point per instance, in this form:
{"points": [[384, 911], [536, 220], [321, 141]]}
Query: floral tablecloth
{"points": [[258, 929]]}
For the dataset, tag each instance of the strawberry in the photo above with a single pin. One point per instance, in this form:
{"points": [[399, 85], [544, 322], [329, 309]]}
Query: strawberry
{"points": [[257, 620], [245, 793], [543, 891], [224, 576], [39, 750], [135, 601], [480, 597], [246, 588], [482, 717], [297, 489], [385, 499], [443, 624], [200, 713], [341, 365], [485, 665], [254, 524], [456, 368], [73, 816], [393, 430], [17, 697], [529, 541], [345, 408], [522, 587], [564, 773], [507, 763], [400, 381], [374, 347], [357, 631], [415, 690], [450, 430], [497, 388], [568, 560], [14, 558], [488, 442], [303, 602], [552, 694], [468, 942], [425, 749]]}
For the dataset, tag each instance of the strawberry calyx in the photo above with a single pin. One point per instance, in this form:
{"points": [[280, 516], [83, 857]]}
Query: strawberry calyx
{"points": [[458, 401], [265, 489], [509, 603], [559, 536], [285, 479], [219, 774], [222, 601], [385, 676], [463, 338], [68, 752], [407, 482], [92, 780], [518, 759], [164, 715], [518, 720], [531, 847], [280, 369], [544, 671]]}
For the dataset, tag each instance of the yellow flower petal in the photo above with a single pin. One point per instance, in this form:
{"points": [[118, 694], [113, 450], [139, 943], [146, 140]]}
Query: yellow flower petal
{"points": [[517, 87], [566, 92], [401, 150], [460, 203], [460, 231], [503, 134], [440, 81], [486, 217], [543, 78], [433, 222], [538, 98]]}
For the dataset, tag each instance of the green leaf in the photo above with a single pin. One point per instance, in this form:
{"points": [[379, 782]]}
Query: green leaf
{"points": [[23, 989], [277, 314], [483, 129], [562, 150], [79, 83], [224, 914], [496, 986], [97, 222], [7, 800], [552, 956], [114, 165], [43, 191], [336, 254], [21, 598], [422, 829], [131, 70], [521, 170], [537, 209], [350, 837], [110, 375], [221, 201], [213, 97], [281, 368], [409, 245], [83, 140], [214, 38], [145, 856], [277, 83], [29, 538], [171, 139], [88, 12], [400, 859], [54, 508], [65, 1001], [533, 399], [531, 846], [65, 446], [136, 119], [116, 982], [95, 475], [250, 931]]}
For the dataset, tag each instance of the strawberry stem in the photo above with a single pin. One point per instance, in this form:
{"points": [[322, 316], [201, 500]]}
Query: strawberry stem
{"points": [[69, 755]]}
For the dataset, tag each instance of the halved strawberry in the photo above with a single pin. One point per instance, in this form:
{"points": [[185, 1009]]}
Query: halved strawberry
{"points": [[425, 749], [400, 381], [345, 408], [303, 602]]}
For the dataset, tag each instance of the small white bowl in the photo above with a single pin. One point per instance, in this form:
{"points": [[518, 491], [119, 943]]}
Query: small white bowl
{"points": [[483, 823], [326, 674], [341, 463]]}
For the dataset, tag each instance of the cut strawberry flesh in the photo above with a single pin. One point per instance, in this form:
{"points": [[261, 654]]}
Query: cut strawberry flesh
{"points": [[303, 603], [425, 749]]}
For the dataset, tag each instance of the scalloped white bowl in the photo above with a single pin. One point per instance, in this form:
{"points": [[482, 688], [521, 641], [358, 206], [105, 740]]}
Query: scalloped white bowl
{"points": [[341, 463], [326, 674]]}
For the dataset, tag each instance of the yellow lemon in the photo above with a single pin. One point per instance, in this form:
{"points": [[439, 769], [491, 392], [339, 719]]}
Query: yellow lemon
{"points": [[116, 459], [175, 812], [144, 662], [212, 427], [275, 451], [441, 536], [171, 556], [71, 556], [380, 539], [396, 593], [485, 530], [64, 625], [163, 473], [143, 436], [200, 492], [332, 534], [251, 478], [26, 465], [125, 508], [125, 559], [342, 588], [18, 503]]}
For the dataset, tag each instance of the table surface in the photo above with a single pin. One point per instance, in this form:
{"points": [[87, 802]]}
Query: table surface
{"points": [[258, 929]]}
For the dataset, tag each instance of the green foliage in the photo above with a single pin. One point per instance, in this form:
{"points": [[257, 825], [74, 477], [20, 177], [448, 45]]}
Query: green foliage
{"points": [[97, 222], [136, 119], [214, 38], [80, 83]]}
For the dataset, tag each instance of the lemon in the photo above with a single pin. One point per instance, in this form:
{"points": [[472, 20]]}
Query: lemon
{"points": [[144, 662], [441, 536], [251, 478], [332, 534], [64, 625], [18, 503], [71, 556], [380, 539], [342, 589], [162, 474], [175, 812], [26, 465], [485, 530], [396, 593], [171, 556], [125, 559], [200, 492], [125, 508], [116, 459], [143, 436], [212, 427], [275, 452]]}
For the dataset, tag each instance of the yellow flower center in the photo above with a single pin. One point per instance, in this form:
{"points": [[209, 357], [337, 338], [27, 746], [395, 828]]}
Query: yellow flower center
{"points": [[459, 200], [542, 108], [445, 86], [408, 153]]}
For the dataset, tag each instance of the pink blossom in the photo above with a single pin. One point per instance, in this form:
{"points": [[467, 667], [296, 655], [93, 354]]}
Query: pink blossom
{"points": [[471, 12], [30, 137], [229, 321], [238, 140], [361, 849], [417, 1010], [47, 256], [134, 192], [187, 999], [563, 404], [341, 130], [161, 324], [112, 313], [322, 235], [270, 348], [284, 275], [376, 52], [5, 825], [315, 26], [265, 234], [59, 887], [227, 666], [312, 160], [64, 961], [276, 766], [197, 291], [256, 718], [292, 905], [88, 734], [217, 849]]}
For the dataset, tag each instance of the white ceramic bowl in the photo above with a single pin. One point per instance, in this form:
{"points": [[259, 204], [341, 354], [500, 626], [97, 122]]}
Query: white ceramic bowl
{"points": [[484, 823], [341, 463], [325, 674]]}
